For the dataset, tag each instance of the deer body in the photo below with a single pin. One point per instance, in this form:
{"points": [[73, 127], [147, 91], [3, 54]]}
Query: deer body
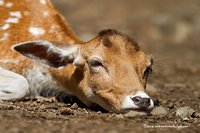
{"points": [[25, 25], [109, 70]]}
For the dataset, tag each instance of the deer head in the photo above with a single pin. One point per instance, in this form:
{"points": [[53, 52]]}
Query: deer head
{"points": [[110, 69]]}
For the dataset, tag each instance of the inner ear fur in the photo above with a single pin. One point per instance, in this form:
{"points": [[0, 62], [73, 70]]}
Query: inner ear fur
{"points": [[50, 54]]}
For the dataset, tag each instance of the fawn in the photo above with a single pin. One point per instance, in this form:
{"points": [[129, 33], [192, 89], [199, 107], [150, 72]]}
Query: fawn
{"points": [[41, 56]]}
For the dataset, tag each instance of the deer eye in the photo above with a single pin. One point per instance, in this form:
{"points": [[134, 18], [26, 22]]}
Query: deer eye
{"points": [[96, 63], [146, 72]]}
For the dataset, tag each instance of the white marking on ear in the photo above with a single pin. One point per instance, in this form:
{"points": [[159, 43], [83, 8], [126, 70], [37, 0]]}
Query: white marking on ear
{"points": [[78, 57], [5, 27], [34, 58], [43, 1], [9, 4], [1, 2], [5, 36], [67, 55], [16, 14], [69, 51], [36, 31], [12, 20]]}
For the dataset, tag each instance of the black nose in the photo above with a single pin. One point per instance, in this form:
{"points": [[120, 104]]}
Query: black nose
{"points": [[141, 102]]}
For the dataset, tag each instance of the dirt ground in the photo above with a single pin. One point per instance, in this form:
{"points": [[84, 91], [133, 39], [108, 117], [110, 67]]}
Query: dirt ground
{"points": [[169, 30]]}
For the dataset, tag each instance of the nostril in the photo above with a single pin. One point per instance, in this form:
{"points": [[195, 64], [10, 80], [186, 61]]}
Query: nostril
{"points": [[148, 101], [141, 102], [136, 100]]}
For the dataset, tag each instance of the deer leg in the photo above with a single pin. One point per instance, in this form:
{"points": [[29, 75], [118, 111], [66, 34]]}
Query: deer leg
{"points": [[12, 85]]}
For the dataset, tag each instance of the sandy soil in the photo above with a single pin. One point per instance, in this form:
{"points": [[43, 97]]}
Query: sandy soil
{"points": [[169, 30]]}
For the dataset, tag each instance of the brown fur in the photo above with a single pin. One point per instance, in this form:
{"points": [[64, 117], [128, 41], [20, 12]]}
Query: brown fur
{"points": [[123, 61], [111, 32]]}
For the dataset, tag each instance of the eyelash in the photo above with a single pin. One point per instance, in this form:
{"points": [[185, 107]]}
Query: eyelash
{"points": [[96, 64], [147, 71]]}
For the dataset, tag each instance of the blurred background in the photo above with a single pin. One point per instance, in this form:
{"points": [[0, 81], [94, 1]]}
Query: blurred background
{"points": [[169, 30]]}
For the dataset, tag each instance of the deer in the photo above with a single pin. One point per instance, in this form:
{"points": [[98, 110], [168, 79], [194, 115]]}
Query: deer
{"points": [[41, 56]]}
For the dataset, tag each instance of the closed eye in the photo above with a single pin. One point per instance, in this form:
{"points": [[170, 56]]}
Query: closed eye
{"points": [[147, 71], [95, 63]]}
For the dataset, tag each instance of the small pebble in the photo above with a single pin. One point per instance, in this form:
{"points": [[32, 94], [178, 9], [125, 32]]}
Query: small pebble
{"points": [[151, 120], [61, 104], [43, 115], [159, 111], [74, 106], [197, 115], [51, 107], [132, 114], [66, 111], [185, 112], [120, 116], [138, 120], [10, 108]]}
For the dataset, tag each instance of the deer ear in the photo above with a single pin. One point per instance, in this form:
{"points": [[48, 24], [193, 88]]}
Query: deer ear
{"points": [[50, 54]]}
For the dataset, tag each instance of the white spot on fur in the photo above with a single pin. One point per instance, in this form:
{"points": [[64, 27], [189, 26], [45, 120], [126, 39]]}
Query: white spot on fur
{"points": [[5, 27], [16, 14], [46, 14], [1, 2], [43, 1], [9, 4], [54, 30], [5, 36], [12, 20], [59, 37], [26, 13], [36, 31]]}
